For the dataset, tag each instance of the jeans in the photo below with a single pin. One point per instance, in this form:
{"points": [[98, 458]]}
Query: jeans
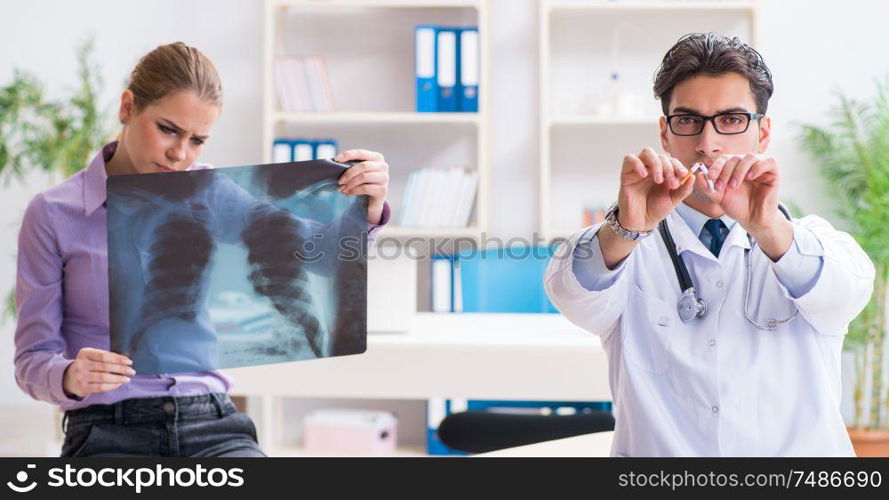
{"points": [[207, 425]]}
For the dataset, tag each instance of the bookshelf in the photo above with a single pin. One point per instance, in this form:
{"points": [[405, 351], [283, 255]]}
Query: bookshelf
{"points": [[376, 118], [586, 127], [368, 47]]}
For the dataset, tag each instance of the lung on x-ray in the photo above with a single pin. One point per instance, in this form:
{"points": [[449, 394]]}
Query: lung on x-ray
{"points": [[236, 266]]}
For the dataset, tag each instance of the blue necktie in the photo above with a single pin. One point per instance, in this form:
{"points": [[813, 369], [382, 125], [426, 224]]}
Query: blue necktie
{"points": [[714, 227]]}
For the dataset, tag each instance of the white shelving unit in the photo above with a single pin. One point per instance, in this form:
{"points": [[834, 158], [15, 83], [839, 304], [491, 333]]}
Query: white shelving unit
{"points": [[582, 42], [377, 118], [368, 46]]}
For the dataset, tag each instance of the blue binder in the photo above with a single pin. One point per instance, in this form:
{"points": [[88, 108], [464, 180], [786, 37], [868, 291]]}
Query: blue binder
{"points": [[425, 42], [505, 280], [282, 151], [325, 148], [303, 150], [469, 70], [447, 68], [441, 283]]}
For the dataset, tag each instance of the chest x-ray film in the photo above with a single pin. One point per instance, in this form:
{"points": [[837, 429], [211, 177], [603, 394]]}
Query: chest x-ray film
{"points": [[236, 266]]}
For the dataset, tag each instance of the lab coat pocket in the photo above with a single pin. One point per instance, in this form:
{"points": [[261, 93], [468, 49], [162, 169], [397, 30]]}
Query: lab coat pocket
{"points": [[645, 339]]}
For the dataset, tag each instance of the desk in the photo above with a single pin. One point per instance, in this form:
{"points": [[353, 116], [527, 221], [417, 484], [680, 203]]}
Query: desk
{"points": [[597, 444], [470, 355]]}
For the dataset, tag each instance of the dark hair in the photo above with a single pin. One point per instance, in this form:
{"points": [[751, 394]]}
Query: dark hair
{"points": [[712, 54]]}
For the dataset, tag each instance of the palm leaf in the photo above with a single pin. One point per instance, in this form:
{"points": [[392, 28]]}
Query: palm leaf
{"points": [[852, 156]]}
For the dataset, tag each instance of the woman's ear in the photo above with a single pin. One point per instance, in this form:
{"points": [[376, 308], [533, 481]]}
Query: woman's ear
{"points": [[126, 106]]}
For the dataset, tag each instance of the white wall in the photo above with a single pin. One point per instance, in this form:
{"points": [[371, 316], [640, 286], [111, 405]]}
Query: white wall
{"points": [[41, 37], [815, 48], [832, 48]]}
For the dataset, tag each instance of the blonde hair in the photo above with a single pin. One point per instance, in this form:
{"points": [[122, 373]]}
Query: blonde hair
{"points": [[173, 68]]}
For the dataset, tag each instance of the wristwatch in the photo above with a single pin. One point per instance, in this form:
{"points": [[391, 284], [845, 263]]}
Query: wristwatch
{"points": [[611, 221]]}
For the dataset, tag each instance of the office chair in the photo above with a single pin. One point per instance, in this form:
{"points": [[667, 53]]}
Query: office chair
{"points": [[476, 431]]}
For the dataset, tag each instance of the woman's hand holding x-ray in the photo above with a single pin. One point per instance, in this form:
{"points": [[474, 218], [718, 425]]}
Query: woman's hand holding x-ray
{"points": [[370, 177], [96, 370]]}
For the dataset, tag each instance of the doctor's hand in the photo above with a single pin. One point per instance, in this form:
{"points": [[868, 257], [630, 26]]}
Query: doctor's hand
{"points": [[370, 177], [649, 189], [95, 370], [747, 191]]}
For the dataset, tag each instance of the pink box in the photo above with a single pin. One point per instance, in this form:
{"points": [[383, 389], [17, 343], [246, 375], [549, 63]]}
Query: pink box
{"points": [[350, 432]]}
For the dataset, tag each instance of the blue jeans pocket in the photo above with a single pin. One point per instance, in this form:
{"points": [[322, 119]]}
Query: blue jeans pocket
{"points": [[111, 440], [247, 422], [77, 438]]}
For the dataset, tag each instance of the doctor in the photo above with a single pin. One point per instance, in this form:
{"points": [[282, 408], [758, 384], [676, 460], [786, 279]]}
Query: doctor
{"points": [[708, 357]]}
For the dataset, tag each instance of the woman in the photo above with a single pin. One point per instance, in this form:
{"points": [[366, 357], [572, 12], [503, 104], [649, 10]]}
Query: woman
{"points": [[62, 338]]}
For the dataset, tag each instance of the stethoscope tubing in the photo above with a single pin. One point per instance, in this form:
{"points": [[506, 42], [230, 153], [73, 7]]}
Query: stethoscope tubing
{"points": [[689, 305]]}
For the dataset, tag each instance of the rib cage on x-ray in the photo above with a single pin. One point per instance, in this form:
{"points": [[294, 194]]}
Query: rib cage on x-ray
{"points": [[175, 270], [167, 230], [272, 238], [179, 256], [284, 183], [182, 248]]}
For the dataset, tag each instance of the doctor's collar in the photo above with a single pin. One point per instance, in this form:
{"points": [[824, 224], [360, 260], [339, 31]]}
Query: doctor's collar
{"points": [[696, 220]]}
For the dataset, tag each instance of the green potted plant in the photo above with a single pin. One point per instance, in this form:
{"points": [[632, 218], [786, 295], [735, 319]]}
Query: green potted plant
{"points": [[852, 154], [57, 136]]}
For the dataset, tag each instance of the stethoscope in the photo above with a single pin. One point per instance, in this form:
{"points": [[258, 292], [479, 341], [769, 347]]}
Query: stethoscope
{"points": [[690, 306]]}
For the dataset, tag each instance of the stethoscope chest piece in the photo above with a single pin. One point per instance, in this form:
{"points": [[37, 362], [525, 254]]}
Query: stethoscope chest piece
{"points": [[690, 306]]}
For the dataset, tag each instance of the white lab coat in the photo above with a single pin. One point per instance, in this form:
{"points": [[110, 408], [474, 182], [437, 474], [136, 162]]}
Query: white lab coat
{"points": [[717, 386]]}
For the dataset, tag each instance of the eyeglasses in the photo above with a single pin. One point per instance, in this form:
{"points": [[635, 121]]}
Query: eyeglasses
{"points": [[723, 123]]}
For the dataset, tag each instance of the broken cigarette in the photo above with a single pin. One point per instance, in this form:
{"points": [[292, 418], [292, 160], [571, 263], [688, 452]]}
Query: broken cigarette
{"points": [[698, 167]]}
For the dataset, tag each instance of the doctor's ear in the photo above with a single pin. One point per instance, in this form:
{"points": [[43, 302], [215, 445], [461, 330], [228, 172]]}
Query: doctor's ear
{"points": [[662, 125], [765, 133]]}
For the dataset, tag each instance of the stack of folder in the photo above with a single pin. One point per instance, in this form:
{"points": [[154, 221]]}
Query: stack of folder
{"points": [[438, 197], [287, 150], [303, 84], [446, 68]]}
